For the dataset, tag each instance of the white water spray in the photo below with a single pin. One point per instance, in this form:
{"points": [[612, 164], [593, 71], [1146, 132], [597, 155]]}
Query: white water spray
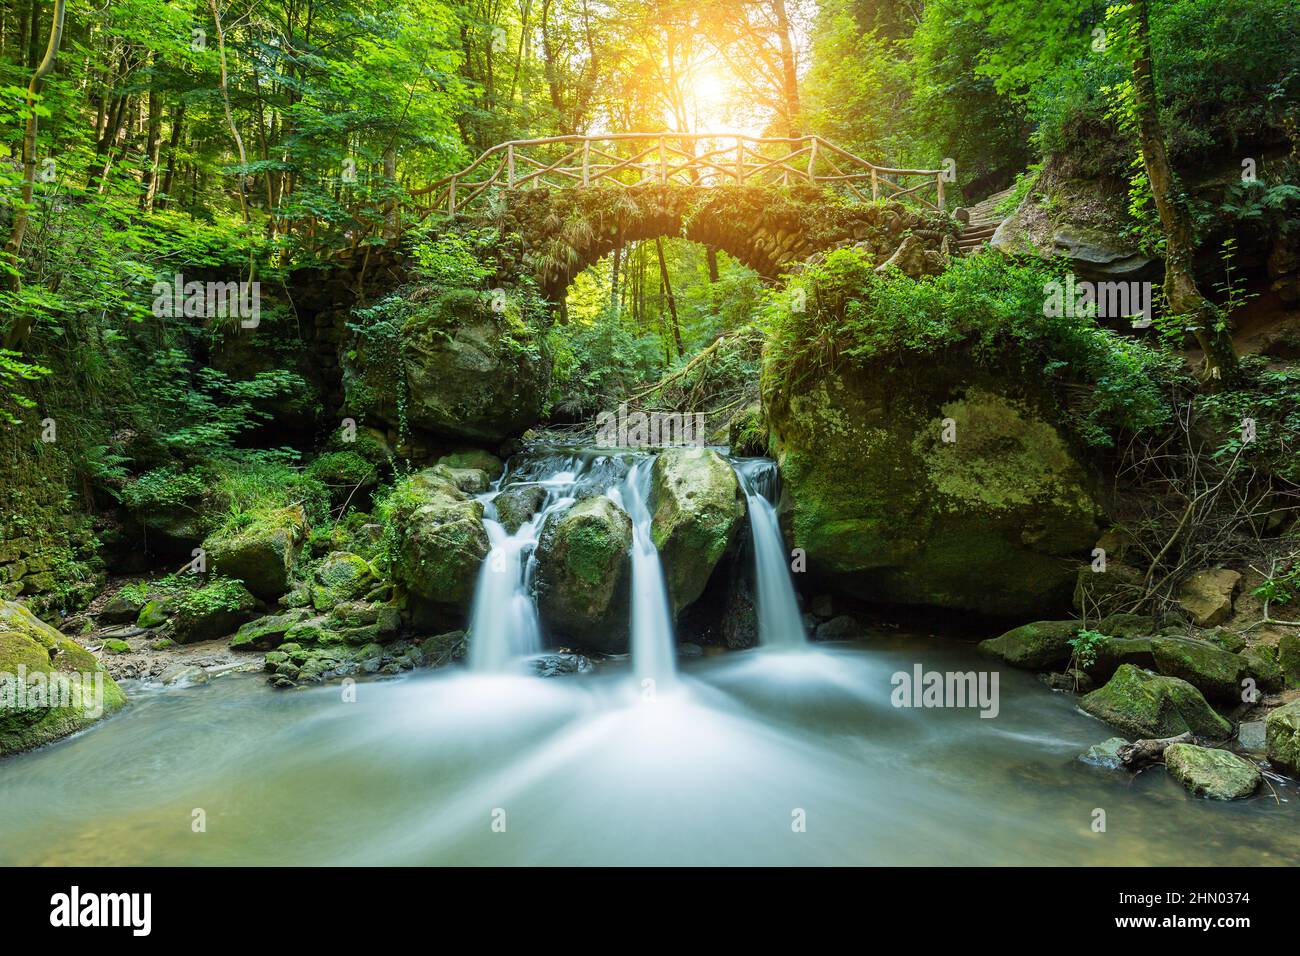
{"points": [[779, 622]]}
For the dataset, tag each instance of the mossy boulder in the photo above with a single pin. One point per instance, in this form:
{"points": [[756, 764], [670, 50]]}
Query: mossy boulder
{"points": [[341, 576], [1216, 673], [115, 645], [517, 504], [268, 632], [67, 688], [347, 475], [123, 607], [932, 482], [440, 544], [1282, 738], [259, 550], [1216, 774], [1042, 645], [584, 574], [1261, 664], [697, 508], [213, 610], [1145, 705], [470, 372], [1113, 652], [475, 459], [1288, 658], [154, 613]]}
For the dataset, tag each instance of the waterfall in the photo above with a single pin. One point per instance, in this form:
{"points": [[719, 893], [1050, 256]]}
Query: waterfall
{"points": [[653, 654], [503, 626], [779, 622]]}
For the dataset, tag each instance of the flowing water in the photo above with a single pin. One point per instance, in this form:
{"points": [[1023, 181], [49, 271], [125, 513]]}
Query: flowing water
{"points": [[769, 756], [779, 623]]}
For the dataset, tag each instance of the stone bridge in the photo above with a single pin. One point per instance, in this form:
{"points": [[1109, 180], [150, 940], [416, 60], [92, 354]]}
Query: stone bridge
{"points": [[768, 202]]}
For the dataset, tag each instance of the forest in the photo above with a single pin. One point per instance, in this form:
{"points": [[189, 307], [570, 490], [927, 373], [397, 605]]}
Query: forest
{"points": [[498, 365]]}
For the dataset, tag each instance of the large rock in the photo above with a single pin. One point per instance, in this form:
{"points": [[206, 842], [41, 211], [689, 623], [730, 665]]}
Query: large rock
{"points": [[261, 552], [1288, 658], [1113, 652], [994, 521], [1146, 705], [441, 543], [470, 372], [1282, 738], [1207, 596], [1216, 673], [46, 659], [697, 507], [1216, 774], [1043, 645], [584, 574]]}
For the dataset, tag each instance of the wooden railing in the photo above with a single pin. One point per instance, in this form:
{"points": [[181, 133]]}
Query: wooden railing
{"points": [[629, 160]]}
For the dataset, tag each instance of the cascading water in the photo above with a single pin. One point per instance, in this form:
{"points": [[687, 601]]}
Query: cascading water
{"points": [[779, 622], [503, 619], [652, 623]]}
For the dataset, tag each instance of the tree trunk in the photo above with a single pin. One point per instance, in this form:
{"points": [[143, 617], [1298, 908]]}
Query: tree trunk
{"points": [[13, 248], [789, 69], [1182, 296], [668, 290], [153, 152]]}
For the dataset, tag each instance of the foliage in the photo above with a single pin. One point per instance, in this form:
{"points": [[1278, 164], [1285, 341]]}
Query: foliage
{"points": [[985, 303], [1084, 647]]}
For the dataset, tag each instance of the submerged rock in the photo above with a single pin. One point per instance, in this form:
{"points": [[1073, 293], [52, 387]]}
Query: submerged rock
{"points": [[933, 483], [584, 574], [261, 553], [1105, 754], [29, 643], [1042, 645], [1146, 705], [697, 507], [1216, 774], [556, 665]]}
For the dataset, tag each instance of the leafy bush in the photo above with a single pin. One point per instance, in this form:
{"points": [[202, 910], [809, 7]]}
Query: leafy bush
{"points": [[984, 303]]}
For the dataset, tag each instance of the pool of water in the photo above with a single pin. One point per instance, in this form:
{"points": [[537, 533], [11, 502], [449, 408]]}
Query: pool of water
{"points": [[750, 758]]}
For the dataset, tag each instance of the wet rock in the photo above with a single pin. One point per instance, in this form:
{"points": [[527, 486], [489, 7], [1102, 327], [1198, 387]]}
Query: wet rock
{"points": [[341, 576], [1282, 738], [697, 509], [517, 504], [444, 649], [1114, 651], [1042, 645], [1288, 658], [154, 613], [261, 552], [823, 606], [1252, 737], [687, 649], [1216, 774], [556, 665], [1145, 705], [584, 574], [1207, 596], [1105, 754], [183, 675], [113, 645]]}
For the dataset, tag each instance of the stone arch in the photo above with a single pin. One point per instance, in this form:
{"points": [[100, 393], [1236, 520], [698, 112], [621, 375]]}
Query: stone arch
{"points": [[771, 229]]}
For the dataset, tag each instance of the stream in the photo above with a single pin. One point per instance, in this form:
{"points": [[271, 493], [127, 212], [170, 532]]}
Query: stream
{"points": [[789, 753]]}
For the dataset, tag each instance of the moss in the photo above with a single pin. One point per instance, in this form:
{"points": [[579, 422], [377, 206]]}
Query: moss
{"points": [[30, 644], [1216, 774], [1141, 704], [1213, 671], [1282, 738], [116, 646], [259, 548], [1043, 645], [583, 573], [153, 614]]}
